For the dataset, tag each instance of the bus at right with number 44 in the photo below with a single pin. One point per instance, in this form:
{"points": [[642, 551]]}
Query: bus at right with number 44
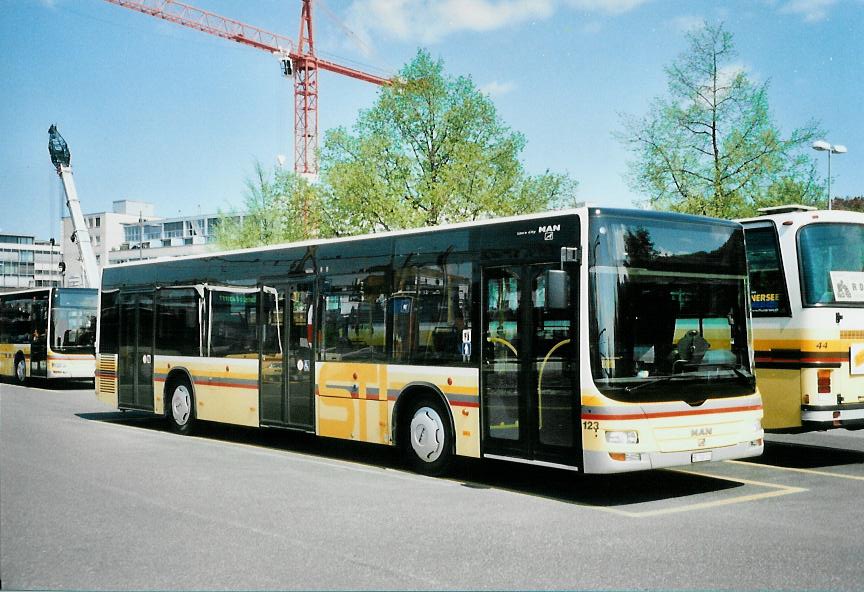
{"points": [[807, 297]]}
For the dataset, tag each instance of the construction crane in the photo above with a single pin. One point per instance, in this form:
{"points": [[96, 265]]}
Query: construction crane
{"points": [[61, 158], [298, 61]]}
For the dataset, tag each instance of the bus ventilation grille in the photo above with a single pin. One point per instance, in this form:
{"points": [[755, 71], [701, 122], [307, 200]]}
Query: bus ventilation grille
{"points": [[106, 373]]}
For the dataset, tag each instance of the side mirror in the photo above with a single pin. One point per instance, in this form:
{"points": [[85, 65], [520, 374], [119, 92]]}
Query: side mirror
{"points": [[557, 289]]}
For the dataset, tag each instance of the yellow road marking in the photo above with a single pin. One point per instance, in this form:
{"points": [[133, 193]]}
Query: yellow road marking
{"points": [[805, 471], [778, 491]]}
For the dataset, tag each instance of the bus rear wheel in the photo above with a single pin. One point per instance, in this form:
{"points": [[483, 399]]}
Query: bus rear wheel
{"points": [[181, 407], [20, 369], [427, 438]]}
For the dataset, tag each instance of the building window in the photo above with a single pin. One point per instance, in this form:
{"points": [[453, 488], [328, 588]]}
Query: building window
{"points": [[173, 229]]}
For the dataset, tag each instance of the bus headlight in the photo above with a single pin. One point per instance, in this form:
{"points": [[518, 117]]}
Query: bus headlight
{"points": [[622, 437]]}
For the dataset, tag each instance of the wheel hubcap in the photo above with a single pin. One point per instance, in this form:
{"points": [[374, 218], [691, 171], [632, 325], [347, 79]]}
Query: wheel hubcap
{"points": [[181, 405], [427, 434]]}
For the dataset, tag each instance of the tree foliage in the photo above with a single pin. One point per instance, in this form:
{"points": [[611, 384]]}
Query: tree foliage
{"points": [[432, 150], [710, 147], [852, 204], [280, 207]]}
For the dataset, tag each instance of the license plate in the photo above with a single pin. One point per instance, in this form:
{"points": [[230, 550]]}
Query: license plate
{"points": [[701, 456]]}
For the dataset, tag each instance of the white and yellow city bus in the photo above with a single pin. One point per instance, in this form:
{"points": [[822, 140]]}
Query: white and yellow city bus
{"points": [[594, 339], [48, 333], [807, 294]]}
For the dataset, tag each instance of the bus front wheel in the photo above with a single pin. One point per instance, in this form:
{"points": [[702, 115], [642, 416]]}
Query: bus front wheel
{"points": [[181, 407], [427, 438], [20, 369]]}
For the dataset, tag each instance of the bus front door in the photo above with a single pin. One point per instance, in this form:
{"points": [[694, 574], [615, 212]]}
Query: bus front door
{"points": [[287, 367], [529, 367], [135, 359]]}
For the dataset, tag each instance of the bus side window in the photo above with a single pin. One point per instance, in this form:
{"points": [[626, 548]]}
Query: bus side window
{"points": [[768, 293], [233, 329]]}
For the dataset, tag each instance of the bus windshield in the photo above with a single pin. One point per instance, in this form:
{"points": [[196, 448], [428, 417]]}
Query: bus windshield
{"points": [[832, 264], [668, 308], [73, 321]]}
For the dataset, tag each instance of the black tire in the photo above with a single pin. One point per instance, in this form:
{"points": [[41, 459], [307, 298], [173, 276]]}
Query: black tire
{"points": [[19, 370], [426, 437], [180, 406]]}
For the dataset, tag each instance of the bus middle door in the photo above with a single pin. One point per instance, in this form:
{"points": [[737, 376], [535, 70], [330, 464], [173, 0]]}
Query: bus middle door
{"points": [[287, 367], [135, 359]]}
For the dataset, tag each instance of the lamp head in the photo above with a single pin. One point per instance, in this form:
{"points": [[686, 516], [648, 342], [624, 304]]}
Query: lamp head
{"points": [[839, 149], [821, 145]]}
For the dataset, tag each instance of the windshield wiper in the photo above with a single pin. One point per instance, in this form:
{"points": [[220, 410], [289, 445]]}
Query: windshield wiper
{"points": [[734, 368], [657, 380]]}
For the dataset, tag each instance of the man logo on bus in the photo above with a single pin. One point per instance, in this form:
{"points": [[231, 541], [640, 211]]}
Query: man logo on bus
{"points": [[549, 231], [697, 432]]}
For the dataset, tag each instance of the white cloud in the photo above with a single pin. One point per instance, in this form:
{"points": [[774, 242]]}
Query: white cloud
{"points": [[429, 21], [725, 76], [687, 23], [496, 88], [811, 10], [606, 6]]}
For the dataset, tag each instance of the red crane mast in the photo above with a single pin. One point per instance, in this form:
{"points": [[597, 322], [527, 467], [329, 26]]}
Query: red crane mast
{"points": [[299, 61]]}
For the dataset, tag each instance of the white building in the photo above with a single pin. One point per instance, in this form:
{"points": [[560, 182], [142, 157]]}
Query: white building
{"points": [[132, 231], [106, 233], [168, 237], [28, 263]]}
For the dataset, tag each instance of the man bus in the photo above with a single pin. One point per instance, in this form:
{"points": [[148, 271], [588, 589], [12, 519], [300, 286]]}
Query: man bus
{"points": [[594, 339], [48, 333]]}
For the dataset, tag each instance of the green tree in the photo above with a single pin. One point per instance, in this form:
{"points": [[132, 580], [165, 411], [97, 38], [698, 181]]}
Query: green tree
{"points": [[280, 207], [710, 147], [432, 150]]}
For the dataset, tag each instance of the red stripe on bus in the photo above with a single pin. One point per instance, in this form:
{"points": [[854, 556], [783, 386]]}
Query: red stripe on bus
{"points": [[659, 414], [224, 384], [763, 360], [229, 384]]}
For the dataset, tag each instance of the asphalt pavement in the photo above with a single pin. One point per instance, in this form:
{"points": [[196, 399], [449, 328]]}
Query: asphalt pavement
{"points": [[91, 498]]}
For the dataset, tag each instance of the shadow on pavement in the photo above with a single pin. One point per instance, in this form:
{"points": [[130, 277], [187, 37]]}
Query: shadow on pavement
{"points": [[558, 484], [56, 384], [806, 456]]}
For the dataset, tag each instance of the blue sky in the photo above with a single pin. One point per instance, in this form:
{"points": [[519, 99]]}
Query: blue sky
{"points": [[158, 112]]}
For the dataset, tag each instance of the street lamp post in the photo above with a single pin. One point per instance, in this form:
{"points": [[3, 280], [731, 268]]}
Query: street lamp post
{"points": [[823, 146], [51, 264]]}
